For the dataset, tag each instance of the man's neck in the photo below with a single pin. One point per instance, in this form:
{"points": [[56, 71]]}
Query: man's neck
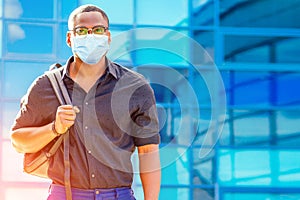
{"points": [[86, 75], [79, 69]]}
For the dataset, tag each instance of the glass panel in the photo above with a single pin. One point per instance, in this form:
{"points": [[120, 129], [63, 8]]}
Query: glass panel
{"points": [[17, 79], [174, 193], [206, 40], [29, 9], [161, 46], [12, 166], [266, 196], [254, 13], [257, 49], [63, 50], [203, 13], [286, 50], [166, 13], [244, 131], [204, 134], [30, 39], [10, 111], [1, 8], [288, 91], [288, 129], [249, 88], [246, 167], [175, 165], [120, 47], [204, 194], [67, 8], [118, 12], [12, 9], [178, 118], [226, 134], [203, 166]]}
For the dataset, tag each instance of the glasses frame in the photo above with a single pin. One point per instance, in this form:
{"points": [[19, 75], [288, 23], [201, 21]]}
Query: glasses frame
{"points": [[89, 30]]}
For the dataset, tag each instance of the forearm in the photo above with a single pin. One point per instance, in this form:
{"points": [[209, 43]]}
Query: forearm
{"points": [[32, 139], [150, 172], [151, 184]]}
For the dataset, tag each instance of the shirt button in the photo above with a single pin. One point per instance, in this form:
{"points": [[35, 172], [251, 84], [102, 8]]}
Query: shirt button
{"points": [[97, 192], [93, 175], [89, 152], [86, 128], [86, 103]]}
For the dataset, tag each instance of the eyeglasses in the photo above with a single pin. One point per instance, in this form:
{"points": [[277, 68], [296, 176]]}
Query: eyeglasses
{"points": [[96, 30]]}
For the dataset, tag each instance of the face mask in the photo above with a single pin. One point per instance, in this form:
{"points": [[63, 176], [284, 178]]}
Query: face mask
{"points": [[90, 48]]}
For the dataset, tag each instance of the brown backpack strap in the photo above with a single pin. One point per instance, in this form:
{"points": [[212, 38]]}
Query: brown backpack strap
{"points": [[63, 96]]}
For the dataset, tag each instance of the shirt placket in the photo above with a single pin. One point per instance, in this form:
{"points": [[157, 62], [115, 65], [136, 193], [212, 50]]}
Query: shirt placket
{"points": [[88, 125]]}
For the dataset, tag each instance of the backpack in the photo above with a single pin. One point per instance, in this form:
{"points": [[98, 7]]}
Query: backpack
{"points": [[37, 164]]}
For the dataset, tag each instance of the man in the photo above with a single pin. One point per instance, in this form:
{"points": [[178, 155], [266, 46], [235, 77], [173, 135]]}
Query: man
{"points": [[113, 112]]}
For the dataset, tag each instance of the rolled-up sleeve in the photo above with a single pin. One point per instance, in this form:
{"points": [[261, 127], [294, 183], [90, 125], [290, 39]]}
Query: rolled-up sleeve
{"points": [[146, 129]]}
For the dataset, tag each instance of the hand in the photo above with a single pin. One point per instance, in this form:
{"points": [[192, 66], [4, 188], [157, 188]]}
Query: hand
{"points": [[65, 118]]}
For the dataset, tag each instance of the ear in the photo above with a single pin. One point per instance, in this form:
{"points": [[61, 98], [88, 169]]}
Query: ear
{"points": [[68, 38], [109, 37]]}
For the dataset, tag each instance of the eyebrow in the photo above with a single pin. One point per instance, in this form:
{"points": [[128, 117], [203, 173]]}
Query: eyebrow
{"points": [[92, 27]]}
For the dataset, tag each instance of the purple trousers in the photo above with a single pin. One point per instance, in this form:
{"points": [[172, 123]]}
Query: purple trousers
{"points": [[57, 192]]}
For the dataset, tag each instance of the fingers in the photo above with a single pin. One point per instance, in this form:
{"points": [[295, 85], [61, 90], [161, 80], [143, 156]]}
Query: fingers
{"points": [[65, 117]]}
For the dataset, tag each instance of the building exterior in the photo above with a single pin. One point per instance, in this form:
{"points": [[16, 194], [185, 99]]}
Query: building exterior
{"points": [[226, 77]]}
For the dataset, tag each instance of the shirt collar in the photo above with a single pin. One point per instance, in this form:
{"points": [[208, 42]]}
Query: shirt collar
{"points": [[111, 68]]}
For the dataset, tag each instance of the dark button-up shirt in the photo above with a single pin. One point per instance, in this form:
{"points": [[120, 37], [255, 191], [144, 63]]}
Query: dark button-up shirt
{"points": [[117, 114]]}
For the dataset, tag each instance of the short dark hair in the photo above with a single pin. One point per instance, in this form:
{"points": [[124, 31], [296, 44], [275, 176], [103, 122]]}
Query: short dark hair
{"points": [[82, 9]]}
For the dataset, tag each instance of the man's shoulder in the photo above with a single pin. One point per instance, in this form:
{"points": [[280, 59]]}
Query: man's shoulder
{"points": [[125, 71], [42, 83]]}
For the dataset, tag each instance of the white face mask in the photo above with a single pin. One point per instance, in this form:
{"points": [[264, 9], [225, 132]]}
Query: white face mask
{"points": [[90, 48]]}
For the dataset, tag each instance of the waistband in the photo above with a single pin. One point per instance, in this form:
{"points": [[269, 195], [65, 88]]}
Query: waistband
{"points": [[111, 192]]}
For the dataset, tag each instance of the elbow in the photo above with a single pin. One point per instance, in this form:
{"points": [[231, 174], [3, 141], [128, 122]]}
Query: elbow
{"points": [[16, 142]]}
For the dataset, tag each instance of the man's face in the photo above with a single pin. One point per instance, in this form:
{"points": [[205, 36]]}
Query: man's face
{"points": [[89, 20]]}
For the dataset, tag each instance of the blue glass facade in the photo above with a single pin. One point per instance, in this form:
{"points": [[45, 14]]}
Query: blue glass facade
{"points": [[226, 78]]}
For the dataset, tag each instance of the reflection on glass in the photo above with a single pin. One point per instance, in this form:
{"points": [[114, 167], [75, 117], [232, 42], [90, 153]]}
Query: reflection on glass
{"points": [[206, 40], [287, 89], [166, 13], [28, 9], [275, 168], [63, 50], [244, 131], [203, 167], [287, 49], [250, 88], [288, 129], [174, 193], [269, 196], [205, 194], [119, 12], [243, 13], [203, 13], [13, 9], [66, 8], [161, 46], [30, 39], [120, 46], [257, 49]]}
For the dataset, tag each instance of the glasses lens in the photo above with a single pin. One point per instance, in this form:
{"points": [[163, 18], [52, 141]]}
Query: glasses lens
{"points": [[81, 31], [99, 30]]}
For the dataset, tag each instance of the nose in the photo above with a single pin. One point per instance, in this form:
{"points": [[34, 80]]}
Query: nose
{"points": [[90, 31]]}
